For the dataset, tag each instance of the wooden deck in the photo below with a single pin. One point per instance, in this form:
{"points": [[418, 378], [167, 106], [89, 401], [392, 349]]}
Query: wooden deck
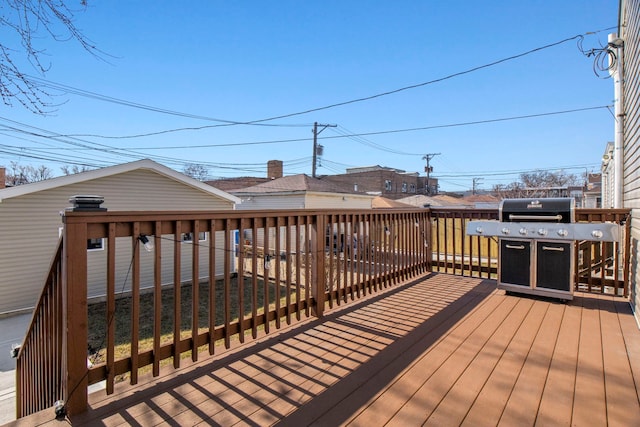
{"points": [[444, 350]]}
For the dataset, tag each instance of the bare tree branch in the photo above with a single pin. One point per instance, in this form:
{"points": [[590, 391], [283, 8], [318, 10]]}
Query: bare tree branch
{"points": [[25, 23], [196, 171]]}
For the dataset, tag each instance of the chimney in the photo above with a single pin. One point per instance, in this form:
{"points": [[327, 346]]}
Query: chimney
{"points": [[274, 169], [3, 177]]}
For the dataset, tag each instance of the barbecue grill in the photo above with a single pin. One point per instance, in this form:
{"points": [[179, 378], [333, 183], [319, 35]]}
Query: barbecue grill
{"points": [[536, 240]]}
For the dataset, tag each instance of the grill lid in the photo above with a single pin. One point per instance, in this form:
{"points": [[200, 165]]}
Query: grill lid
{"points": [[537, 210]]}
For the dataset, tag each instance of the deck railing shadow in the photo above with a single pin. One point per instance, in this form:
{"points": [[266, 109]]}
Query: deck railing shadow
{"points": [[272, 358]]}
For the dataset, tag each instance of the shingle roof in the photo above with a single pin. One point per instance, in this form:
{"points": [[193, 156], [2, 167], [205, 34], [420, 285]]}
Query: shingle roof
{"points": [[293, 183], [382, 202]]}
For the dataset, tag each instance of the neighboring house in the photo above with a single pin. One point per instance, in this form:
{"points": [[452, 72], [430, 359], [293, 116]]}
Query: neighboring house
{"points": [[629, 32], [481, 201], [388, 182], [300, 192], [274, 171], [383, 203], [440, 200], [30, 221], [297, 192], [593, 191], [608, 171]]}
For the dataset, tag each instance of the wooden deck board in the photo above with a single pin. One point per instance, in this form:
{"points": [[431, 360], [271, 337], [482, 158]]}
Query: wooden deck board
{"points": [[557, 398], [444, 350], [522, 406], [456, 404], [490, 402], [458, 349], [589, 400], [618, 380]]}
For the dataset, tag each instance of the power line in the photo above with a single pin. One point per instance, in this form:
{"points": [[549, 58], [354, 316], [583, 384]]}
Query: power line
{"points": [[351, 135], [106, 98], [438, 80], [225, 122]]}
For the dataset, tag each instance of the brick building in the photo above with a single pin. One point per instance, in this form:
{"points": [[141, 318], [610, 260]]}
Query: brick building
{"points": [[388, 182]]}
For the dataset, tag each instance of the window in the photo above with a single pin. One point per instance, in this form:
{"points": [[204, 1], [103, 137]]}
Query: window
{"points": [[95, 244], [188, 237], [412, 188], [387, 184], [404, 187]]}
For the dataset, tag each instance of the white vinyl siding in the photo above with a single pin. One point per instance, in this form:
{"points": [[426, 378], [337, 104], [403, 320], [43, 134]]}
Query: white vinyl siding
{"points": [[29, 224], [272, 201], [631, 194]]}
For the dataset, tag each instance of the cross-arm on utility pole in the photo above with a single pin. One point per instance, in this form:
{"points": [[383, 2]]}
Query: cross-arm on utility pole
{"points": [[476, 181], [428, 169], [316, 132]]}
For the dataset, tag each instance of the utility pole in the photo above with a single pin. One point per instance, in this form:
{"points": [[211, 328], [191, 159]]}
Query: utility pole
{"points": [[316, 132], [475, 184], [428, 169]]}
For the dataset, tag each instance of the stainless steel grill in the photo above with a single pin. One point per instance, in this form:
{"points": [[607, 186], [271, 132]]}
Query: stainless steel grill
{"points": [[536, 244]]}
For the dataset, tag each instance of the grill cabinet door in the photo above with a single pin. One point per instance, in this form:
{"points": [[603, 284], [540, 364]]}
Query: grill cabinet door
{"points": [[515, 262], [553, 269]]}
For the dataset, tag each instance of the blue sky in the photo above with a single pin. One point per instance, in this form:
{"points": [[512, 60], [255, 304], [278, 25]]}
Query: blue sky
{"points": [[253, 60]]}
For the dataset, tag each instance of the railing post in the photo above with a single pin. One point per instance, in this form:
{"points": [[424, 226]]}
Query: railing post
{"points": [[429, 239], [317, 262], [74, 303]]}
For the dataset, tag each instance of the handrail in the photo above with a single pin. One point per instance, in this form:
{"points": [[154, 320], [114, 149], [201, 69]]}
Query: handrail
{"points": [[39, 365], [212, 277]]}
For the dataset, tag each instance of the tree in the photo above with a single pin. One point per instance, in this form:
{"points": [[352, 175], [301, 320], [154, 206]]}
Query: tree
{"points": [[71, 170], [537, 180], [196, 171], [24, 23], [21, 174]]}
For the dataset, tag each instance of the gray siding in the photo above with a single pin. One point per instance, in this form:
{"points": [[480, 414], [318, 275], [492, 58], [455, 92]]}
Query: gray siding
{"points": [[630, 32], [29, 226]]}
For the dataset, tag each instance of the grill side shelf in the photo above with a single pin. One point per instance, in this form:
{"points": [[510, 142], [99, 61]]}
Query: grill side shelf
{"points": [[602, 232]]}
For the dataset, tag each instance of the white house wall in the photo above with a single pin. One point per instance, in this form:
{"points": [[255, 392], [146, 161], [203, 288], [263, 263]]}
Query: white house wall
{"points": [[29, 225], [272, 201], [339, 201]]}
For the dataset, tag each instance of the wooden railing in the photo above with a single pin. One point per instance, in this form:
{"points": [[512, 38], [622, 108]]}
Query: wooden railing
{"points": [[39, 367], [211, 278], [600, 267]]}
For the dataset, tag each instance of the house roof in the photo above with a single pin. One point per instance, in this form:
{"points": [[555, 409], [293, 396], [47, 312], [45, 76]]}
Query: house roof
{"points": [[61, 181], [236, 183], [293, 184], [424, 201], [382, 202], [481, 198]]}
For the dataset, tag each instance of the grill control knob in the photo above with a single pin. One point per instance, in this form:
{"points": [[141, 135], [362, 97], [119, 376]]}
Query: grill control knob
{"points": [[523, 231], [597, 234], [563, 232], [479, 230], [506, 230], [542, 231]]}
